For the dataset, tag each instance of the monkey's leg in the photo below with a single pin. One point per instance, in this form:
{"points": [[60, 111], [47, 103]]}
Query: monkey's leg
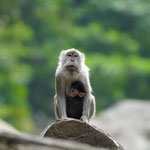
{"points": [[86, 108], [56, 108], [92, 108], [61, 100]]}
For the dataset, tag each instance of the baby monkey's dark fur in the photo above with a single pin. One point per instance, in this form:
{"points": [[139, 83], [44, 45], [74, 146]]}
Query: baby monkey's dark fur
{"points": [[75, 99]]}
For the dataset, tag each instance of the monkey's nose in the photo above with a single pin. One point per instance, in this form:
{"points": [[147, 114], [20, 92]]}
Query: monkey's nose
{"points": [[72, 60]]}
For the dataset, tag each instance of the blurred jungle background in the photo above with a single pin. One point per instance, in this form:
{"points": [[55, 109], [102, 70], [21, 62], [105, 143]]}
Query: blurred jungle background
{"points": [[113, 34]]}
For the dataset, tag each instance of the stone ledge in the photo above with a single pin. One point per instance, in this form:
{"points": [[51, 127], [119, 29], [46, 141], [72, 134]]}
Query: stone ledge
{"points": [[76, 130]]}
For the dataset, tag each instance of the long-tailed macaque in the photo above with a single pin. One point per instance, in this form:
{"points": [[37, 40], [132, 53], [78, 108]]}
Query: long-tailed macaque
{"points": [[72, 70]]}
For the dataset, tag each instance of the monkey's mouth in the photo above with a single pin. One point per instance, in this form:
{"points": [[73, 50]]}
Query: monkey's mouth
{"points": [[71, 67]]}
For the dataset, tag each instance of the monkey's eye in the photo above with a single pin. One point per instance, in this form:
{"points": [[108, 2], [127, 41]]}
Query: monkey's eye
{"points": [[75, 55], [69, 55], [72, 90]]}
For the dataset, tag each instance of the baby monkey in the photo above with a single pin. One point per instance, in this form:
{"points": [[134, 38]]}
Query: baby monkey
{"points": [[76, 90], [75, 100]]}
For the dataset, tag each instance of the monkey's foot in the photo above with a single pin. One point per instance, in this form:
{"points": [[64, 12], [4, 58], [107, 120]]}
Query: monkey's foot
{"points": [[84, 119], [64, 117]]}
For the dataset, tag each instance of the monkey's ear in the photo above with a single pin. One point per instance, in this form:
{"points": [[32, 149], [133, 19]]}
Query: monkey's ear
{"points": [[61, 56], [81, 94], [62, 53], [82, 57]]}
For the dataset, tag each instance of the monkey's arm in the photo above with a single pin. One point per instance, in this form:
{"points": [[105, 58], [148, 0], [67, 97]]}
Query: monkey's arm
{"points": [[61, 101], [88, 99]]}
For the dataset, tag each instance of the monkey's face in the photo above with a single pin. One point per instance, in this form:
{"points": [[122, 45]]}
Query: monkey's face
{"points": [[72, 60], [73, 92]]}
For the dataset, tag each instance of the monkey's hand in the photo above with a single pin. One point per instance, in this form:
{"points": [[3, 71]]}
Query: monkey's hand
{"points": [[64, 117], [84, 119]]}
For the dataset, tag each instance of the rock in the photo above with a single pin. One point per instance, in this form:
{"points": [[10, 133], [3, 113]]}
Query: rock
{"points": [[128, 122], [10, 141], [4, 126], [76, 130]]}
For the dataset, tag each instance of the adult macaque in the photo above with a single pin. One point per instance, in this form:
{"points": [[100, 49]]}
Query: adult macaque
{"points": [[71, 68]]}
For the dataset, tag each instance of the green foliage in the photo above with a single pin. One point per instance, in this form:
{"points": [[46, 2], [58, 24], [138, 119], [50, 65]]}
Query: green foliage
{"points": [[114, 35], [15, 73]]}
